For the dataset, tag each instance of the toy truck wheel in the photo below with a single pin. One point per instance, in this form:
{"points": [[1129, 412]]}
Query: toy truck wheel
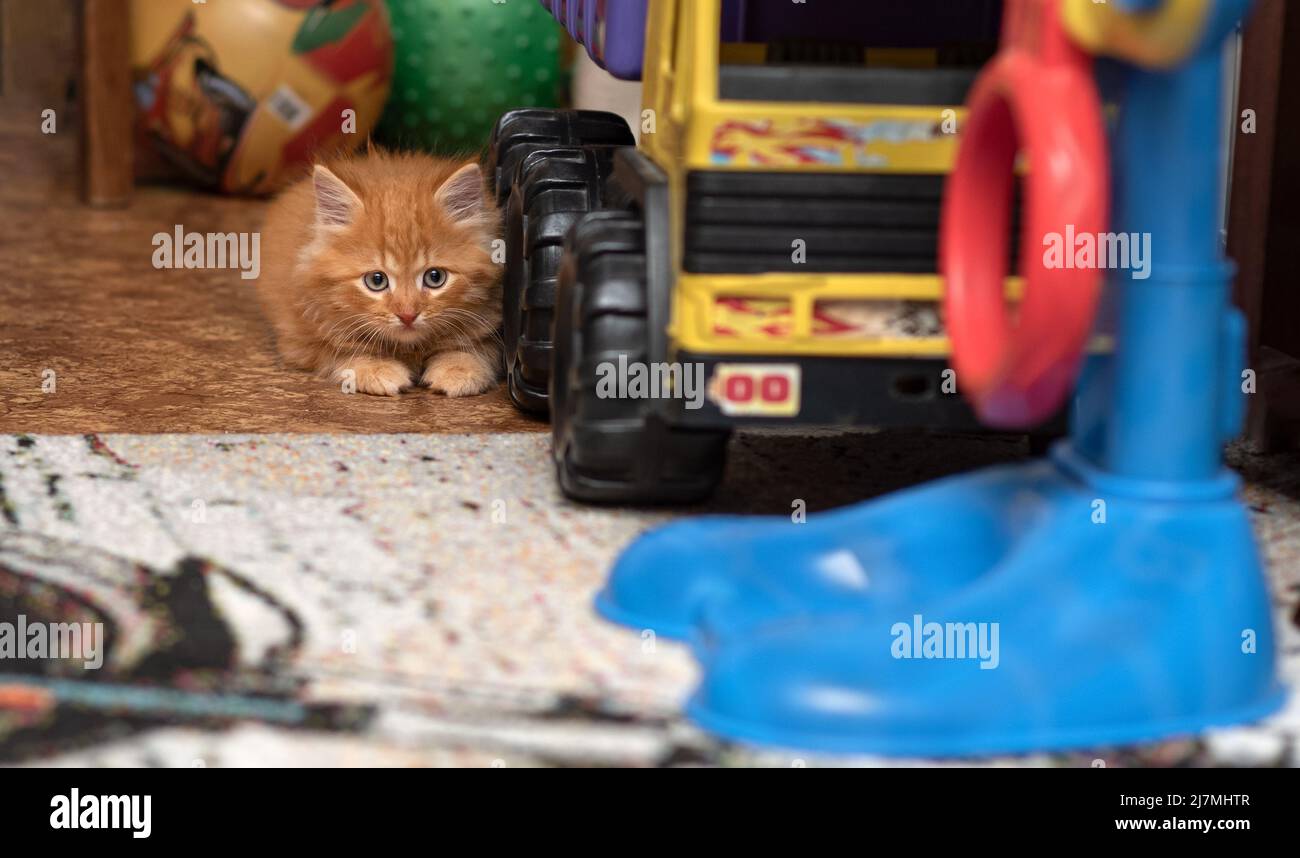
{"points": [[609, 449], [552, 188], [520, 132]]}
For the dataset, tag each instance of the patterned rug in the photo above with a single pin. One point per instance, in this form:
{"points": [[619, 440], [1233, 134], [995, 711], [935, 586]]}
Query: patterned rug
{"points": [[420, 600]]}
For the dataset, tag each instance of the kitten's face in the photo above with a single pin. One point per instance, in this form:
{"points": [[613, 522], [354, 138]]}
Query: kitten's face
{"points": [[402, 256]]}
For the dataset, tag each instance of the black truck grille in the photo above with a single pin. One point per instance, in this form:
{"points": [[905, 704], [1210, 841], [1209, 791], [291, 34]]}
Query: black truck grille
{"points": [[749, 223]]}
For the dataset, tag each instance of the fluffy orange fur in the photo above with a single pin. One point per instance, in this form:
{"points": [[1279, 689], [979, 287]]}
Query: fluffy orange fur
{"points": [[419, 226]]}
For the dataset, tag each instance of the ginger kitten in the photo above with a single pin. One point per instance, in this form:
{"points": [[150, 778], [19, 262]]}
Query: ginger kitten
{"points": [[379, 269]]}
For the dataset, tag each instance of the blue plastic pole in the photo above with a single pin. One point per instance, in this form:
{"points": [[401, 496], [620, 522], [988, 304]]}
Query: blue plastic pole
{"points": [[1165, 392]]}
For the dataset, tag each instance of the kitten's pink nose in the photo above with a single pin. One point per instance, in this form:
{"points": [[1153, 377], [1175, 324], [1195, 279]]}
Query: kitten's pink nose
{"points": [[408, 319]]}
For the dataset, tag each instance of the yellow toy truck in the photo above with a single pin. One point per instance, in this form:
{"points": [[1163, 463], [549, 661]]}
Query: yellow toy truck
{"points": [[765, 256]]}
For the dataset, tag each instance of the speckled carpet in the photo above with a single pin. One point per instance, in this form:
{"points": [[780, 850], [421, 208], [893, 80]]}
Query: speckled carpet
{"points": [[421, 600]]}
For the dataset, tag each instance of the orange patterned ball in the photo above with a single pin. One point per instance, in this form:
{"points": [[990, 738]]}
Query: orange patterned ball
{"points": [[238, 92]]}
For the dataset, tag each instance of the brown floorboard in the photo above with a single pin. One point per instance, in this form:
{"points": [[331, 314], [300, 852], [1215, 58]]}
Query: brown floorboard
{"points": [[135, 349]]}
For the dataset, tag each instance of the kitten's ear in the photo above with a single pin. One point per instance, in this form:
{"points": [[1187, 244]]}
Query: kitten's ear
{"points": [[336, 204], [462, 196]]}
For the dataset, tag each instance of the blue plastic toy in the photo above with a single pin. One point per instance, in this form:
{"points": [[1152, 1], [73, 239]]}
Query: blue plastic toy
{"points": [[1112, 593]]}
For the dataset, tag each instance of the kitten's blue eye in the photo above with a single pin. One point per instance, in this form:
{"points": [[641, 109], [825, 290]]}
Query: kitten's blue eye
{"points": [[435, 278], [376, 281]]}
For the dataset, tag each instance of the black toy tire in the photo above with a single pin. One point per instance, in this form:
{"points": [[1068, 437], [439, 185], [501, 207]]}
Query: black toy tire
{"points": [[519, 132], [610, 450], [551, 190]]}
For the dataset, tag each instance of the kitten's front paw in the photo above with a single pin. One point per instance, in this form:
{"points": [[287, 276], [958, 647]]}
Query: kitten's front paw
{"points": [[459, 374], [376, 377]]}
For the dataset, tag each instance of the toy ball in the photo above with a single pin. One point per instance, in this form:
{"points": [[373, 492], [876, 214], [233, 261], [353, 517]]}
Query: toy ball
{"points": [[237, 93], [461, 64]]}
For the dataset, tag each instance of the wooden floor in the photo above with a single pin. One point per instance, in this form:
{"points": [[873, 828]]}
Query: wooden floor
{"points": [[135, 349]]}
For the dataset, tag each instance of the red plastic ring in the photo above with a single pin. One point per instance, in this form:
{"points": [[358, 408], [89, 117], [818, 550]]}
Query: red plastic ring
{"points": [[1038, 98]]}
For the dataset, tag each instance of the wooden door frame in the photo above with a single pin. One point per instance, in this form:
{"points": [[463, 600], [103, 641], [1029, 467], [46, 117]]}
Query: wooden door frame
{"points": [[107, 140], [1264, 219]]}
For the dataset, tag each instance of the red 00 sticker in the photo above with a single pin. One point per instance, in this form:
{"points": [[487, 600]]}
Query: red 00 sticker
{"points": [[756, 389]]}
